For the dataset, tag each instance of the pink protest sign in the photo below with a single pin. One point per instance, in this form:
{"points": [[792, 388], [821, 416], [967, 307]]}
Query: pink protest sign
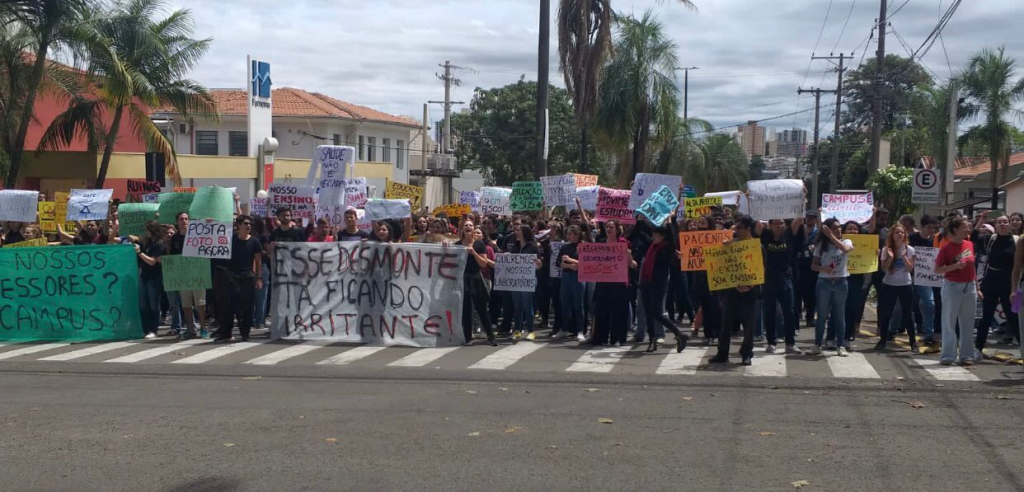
{"points": [[603, 262], [614, 204]]}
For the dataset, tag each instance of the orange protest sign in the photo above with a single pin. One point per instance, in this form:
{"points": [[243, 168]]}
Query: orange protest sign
{"points": [[692, 244]]}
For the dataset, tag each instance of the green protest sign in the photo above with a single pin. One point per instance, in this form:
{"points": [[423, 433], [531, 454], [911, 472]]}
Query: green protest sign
{"points": [[185, 273], [132, 217], [213, 202], [527, 196], [172, 204], [69, 294]]}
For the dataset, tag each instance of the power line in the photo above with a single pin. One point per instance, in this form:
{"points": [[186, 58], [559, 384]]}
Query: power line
{"points": [[843, 30], [898, 9]]}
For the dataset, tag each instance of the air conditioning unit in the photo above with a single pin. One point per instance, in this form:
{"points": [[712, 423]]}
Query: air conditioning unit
{"points": [[441, 161]]}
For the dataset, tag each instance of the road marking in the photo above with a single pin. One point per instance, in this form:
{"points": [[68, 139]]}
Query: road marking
{"points": [[945, 373], [601, 359], [764, 364], [854, 365], [507, 356], [158, 351], [218, 352], [85, 352], [284, 354], [423, 357], [31, 349], [350, 356], [684, 363]]}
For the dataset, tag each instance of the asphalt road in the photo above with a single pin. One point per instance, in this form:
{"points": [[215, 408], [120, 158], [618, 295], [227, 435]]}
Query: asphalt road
{"points": [[191, 429]]}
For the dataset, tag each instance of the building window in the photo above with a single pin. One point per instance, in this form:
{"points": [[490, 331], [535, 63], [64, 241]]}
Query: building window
{"points": [[400, 158], [206, 143], [337, 139], [386, 149], [371, 144], [238, 144], [362, 148]]}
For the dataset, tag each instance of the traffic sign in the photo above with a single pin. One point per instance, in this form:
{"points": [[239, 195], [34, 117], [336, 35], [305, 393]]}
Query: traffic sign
{"points": [[926, 187]]}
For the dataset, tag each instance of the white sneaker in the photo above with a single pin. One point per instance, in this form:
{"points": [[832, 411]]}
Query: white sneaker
{"points": [[661, 340], [150, 335], [770, 349], [830, 345], [815, 350], [556, 334], [581, 338], [841, 351], [792, 349]]}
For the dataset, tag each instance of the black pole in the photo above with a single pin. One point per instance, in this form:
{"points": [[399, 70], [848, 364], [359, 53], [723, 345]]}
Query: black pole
{"points": [[540, 167]]}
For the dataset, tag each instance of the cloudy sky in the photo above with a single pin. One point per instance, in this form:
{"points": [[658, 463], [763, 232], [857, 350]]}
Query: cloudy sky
{"points": [[752, 54]]}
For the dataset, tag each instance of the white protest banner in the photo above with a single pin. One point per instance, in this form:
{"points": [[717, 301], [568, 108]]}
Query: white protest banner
{"points": [[646, 183], [355, 192], [258, 207], [924, 267], [362, 223], [364, 292], [515, 272], [88, 204], [776, 199], [300, 199], [19, 205], [857, 208], [208, 239], [471, 198], [331, 187], [588, 197], [495, 201], [559, 191], [556, 259], [382, 208]]}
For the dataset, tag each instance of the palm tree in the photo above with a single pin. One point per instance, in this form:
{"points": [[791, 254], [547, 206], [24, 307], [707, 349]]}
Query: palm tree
{"points": [[989, 85], [680, 149], [584, 44], [35, 27], [723, 166], [138, 63], [639, 95]]}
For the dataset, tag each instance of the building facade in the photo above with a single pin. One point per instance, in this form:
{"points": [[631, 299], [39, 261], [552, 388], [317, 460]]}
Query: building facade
{"points": [[751, 138], [792, 143]]}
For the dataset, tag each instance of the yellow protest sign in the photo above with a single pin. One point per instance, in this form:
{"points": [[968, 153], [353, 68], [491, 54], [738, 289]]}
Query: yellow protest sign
{"points": [[30, 243], [453, 210], [864, 257], [735, 264], [47, 215], [692, 244], [60, 212], [697, 207], [398, 190]]}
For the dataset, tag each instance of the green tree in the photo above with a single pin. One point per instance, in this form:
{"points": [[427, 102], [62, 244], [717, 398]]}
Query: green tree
{"points": [[682, 150], [991, 85], [138, 62], [900, 78], [493, 136], [639, 96], [723, 165], [756, 167], [893, 187]]}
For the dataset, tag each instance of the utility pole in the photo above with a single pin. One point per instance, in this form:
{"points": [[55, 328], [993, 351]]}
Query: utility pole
{"points": [[814, 167], [876, 102], [449, 81], [686, 89], [950, 163], [540, 165], [834, 176]]}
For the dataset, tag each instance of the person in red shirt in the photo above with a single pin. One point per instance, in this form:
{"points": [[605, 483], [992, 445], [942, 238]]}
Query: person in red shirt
{"points": [[322, 234], [960, 293]]}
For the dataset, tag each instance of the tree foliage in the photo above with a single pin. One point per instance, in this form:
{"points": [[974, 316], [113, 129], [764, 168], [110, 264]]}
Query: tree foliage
{"points": [[900, 78], [723, 165], [992, 87], [893, 187]]}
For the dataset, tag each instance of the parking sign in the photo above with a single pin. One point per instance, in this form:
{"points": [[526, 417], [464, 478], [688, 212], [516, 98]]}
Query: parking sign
{"points": [[926, 187]]}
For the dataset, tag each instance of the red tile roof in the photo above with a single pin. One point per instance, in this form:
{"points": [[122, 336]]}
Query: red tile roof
{"points": [[289, 101], [982, 165]]}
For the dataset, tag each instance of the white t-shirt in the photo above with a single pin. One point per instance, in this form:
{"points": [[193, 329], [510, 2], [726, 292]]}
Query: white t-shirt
{"points": [[833, 258], [897, 275]]}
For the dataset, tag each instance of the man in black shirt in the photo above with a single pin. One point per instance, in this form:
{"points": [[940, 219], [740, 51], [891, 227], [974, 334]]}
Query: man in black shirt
{"points": [[186, 300], [287, 231], [780, 247], [351, 231], [243, 279], [927, 298]]}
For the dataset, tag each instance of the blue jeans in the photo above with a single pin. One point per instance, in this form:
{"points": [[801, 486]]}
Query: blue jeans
{"points": [[174, 303], [959, 304], [830, 300], [572, 302], [260, 302], [149, 304], [522, 308], [780, 295], [856, 298], [926, 299]]}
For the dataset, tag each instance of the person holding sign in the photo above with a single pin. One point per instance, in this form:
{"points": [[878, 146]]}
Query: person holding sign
{"points": [[654, 276], [351, 231], [150, 248], [960, 293], [859, 285], [522, 302], [926, 295], [897, 285], [611, 299], [830, 252], [572, 289], [739, 306], [474, 294], [703, 299], [241, 277], [780, 243], [187, 300]]}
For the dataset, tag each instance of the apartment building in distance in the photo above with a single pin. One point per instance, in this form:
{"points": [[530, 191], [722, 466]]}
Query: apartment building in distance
{"points": [[751, 138]]}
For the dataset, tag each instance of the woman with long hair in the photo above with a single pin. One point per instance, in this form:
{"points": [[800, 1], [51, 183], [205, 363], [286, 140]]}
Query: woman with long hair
{"points": [[522, 302], [859, 285], [550, 297], [611, 302], [897, 285], [654, 287], [1000, 248], [149, 249], [955, 261], [475, 292], [572, 289], [1017, 224], [830, 252]]}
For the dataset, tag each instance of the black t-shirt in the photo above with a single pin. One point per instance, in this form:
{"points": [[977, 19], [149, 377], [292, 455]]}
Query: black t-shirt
{"points": [[359, 235], [177, 244], [529, 249], [243, 253], [291, 235], [918, 241], [1000, 255], [154, 249], [571, 250], [472, 267], [13, 237], [779, 254]]}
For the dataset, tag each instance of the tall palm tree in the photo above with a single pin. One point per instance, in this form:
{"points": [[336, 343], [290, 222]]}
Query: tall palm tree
{"points": [[139, 63], [584, 44], [991, 85], [723, 166], [38, 27], [680, 148], [639, 94]]}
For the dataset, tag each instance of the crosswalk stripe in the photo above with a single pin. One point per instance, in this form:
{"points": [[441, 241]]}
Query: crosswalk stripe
{"points": [[601, 359], [764, 364], [31, 349], [684, 363], [218, 352], [85, 352], [284, 354], [158, 351], [507, 356], [350, 356], [945, 373], [854, 365], [423, 357]]}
